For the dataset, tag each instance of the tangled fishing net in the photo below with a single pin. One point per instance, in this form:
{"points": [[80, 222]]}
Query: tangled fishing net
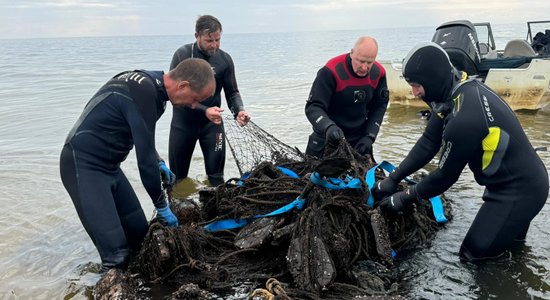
{"points": [[319, 242]]}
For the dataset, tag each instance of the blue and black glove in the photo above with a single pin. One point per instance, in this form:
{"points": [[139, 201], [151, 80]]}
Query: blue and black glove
{"points": [[384, 188], [396, 203], [166, 175], [364, 145], [333, 135], [168, 216]]}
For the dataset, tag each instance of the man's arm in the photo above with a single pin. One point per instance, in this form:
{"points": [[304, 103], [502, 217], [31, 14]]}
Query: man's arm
{"points": [[140, 113], [378, 106], [462, 137], [423, 150], [319, 99], [230, 88]]}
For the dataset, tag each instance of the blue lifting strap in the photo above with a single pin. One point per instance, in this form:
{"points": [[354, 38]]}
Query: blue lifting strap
{"points": [[336, 183], [298, 203], [238, 223], [437, 204]]}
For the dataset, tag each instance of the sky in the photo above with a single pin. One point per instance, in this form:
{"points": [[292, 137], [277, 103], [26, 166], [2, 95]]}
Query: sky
{"points": [[73, 18]]}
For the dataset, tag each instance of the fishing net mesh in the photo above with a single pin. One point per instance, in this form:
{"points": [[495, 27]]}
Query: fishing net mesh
{"points": [[251, 145]]}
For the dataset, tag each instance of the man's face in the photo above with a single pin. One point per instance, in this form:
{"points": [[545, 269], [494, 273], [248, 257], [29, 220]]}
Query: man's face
{"points": [[187, 96], [362, 60], [417, 90], [209, 42]]}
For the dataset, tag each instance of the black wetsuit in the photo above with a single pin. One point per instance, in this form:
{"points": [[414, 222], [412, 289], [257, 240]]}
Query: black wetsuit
{"points": [[480, 129], [120, 115], [355, 104], [189, 125]]}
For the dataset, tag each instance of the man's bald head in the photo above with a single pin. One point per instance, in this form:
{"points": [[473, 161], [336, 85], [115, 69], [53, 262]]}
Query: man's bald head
{"points": [[363, 55]]}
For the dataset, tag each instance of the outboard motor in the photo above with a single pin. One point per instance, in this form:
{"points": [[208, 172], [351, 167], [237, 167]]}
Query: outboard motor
{"points": [[459, 40], [541, 43]]}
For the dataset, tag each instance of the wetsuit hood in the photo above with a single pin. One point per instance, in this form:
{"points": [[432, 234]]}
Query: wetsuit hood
{"points": [[429, 65]]}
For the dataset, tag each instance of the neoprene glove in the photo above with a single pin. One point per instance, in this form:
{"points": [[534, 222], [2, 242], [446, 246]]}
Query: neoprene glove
{"points": [[333, 135], [167, 176], [364, 145], [383, 188], [168, 216], [396, 203]]}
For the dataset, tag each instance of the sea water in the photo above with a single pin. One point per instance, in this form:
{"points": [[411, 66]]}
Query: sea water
{"points": [[45, 83]]}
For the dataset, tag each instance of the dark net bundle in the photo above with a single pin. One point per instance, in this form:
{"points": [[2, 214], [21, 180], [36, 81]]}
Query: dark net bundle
{"points": [[266, 189], [332, 247]]}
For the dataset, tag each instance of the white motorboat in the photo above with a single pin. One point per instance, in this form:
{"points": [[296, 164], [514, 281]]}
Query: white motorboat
{"points": [[520, 73]]}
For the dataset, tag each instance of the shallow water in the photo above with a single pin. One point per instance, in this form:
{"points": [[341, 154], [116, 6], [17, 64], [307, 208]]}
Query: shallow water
{"points": [[44, 84]]}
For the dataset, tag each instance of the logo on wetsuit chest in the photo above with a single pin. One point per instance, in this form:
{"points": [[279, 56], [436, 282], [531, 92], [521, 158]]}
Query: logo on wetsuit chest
{"points": [[219, 142], [359, 96]]}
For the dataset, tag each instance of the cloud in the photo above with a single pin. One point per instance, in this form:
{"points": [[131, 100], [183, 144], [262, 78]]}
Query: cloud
{"points": [[52, 18], [61, 4]]}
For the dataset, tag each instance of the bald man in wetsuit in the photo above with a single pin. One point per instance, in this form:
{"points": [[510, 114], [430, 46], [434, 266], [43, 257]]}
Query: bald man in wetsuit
{"points": [[348, 99], [204, 123], [123, 113], [475, 127]]}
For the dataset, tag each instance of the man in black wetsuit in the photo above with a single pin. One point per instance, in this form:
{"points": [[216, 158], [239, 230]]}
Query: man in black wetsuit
{"points": [[476, 128], [204, 123], [120, 115], [348, 99]]}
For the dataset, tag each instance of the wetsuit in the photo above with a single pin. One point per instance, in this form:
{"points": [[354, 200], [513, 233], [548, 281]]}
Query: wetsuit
{"points": [[355, 104], [120, 115], [479, 129], [189, 125]]}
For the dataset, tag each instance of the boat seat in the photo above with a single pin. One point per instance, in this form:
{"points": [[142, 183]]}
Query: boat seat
{"points": [[518, 47], [503, 63], [487, 52]]}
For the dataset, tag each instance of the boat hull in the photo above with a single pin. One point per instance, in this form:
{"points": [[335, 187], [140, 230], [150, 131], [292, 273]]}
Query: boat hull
{"points": [[522, 88]]}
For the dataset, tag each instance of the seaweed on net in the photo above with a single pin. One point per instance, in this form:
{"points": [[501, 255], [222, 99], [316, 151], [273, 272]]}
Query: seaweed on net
{"points": [[321, 252]]}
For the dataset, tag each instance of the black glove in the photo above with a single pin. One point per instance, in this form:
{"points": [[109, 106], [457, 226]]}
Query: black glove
{"points": [[364, 145], [396, 203], [333, 135], [383, 188]]}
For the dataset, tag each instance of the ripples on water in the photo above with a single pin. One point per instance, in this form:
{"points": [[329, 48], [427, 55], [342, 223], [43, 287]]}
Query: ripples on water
{"points": [[45, 83]]}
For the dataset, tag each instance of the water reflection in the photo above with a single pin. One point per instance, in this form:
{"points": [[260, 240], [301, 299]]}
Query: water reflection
{"points": [[515, 276]]}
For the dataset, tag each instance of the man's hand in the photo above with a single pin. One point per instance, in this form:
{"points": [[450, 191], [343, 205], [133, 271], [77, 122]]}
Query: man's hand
{"points": [[333, 135], [242, 118], [214, 114], [364, 145], [396, 203], [168, 216], [167, 176], [383, 188]]}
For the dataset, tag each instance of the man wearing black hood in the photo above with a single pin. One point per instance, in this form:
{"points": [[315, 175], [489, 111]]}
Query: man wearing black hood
{"points": [[204, 123], [475, 127]]}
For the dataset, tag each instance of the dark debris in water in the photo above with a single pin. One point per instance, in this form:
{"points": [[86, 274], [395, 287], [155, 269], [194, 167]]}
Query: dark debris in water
{"points": [[335, 248]]}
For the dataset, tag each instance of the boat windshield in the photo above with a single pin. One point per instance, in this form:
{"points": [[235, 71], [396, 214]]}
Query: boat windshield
{"points": [[534, 27]]}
